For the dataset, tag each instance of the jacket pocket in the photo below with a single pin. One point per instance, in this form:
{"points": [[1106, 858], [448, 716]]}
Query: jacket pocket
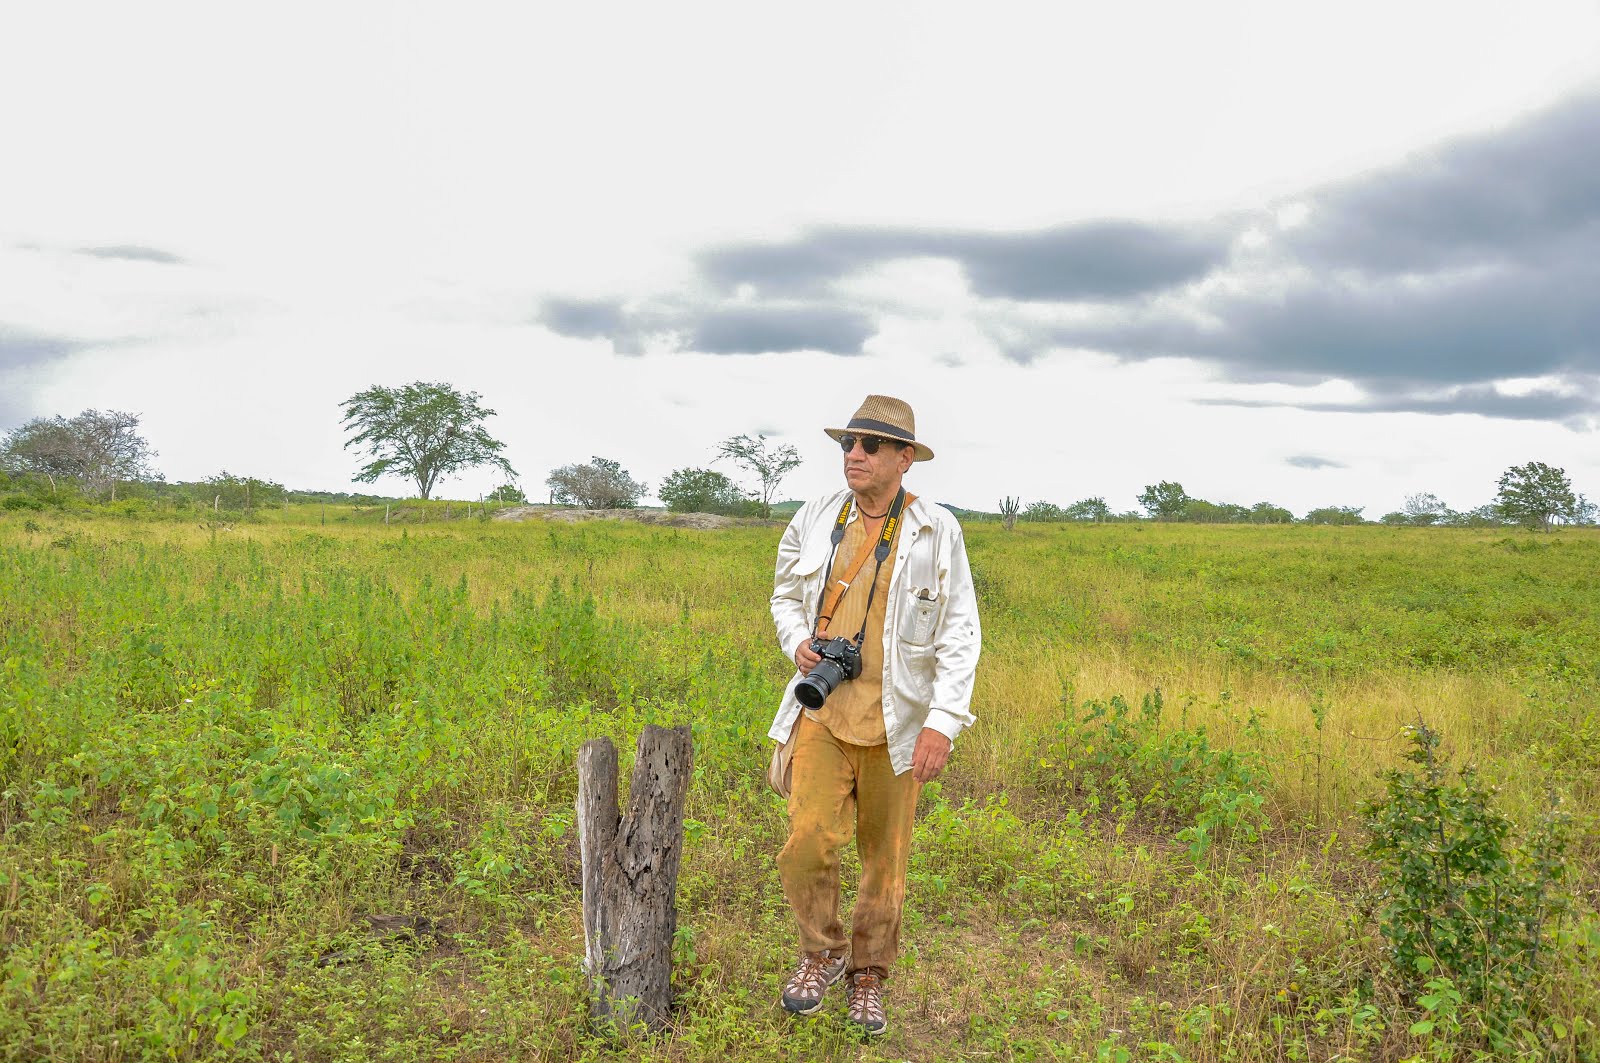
{"points": [[919, 616]]}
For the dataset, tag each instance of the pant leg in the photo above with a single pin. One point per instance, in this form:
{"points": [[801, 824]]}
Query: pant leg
{"points": [[886, 806], [822, 812]]}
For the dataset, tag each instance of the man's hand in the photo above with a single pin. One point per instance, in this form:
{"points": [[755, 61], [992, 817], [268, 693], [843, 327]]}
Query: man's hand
{"points": [[927, 760], [804, 658]]}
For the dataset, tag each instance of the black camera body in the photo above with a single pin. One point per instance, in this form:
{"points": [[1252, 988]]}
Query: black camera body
{"points": [[841, 660]]}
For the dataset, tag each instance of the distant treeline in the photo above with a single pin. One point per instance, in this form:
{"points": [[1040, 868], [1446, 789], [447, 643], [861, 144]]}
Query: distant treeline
{"points": [[1533, 495], [223, 492], [99, 456]]}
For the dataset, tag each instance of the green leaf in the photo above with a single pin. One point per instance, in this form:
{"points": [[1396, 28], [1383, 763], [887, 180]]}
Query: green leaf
{"points": [[1419, 1029]]}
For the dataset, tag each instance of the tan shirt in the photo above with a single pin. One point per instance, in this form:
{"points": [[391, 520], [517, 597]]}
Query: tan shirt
{"points": [[854, 712]]}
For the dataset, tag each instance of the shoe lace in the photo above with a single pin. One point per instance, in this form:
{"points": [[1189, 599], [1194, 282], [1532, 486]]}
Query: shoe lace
{"points": [[866, 996], [808, 978]]}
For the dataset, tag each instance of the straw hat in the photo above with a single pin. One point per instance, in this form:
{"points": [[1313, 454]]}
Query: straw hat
{"points": [[882, 415]]}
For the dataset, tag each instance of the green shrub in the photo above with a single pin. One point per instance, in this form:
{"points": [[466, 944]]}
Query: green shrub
{"points": [[1459, 898], [1111, 752]]}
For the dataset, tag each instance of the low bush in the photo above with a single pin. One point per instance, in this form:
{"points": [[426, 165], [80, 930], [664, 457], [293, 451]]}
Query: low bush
{"points": [[1112, 753], [1463, 903]]}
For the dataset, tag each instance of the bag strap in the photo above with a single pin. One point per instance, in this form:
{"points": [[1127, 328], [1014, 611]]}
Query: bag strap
{"points": [[836, 588]]}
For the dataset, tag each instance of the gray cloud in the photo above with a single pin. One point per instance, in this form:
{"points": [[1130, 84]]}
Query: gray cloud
{"points": [[1514, 195], [133, 253], [714, 327], [1575, 406], [583, 318], [795, 311], [762, 330], [1424, 283], [1455, 328], [1311, 461], [21, 347], [1093, 261], [1085, 261]]}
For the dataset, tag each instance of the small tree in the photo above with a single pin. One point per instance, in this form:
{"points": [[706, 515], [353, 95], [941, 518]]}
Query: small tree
{"points": [[1010, 508], [1425, 508], [243, 492], [421, 431], [1200, 511], [96, 449], [1164, 501], [1093, 508], [1043, 512], [1536, 494], [508, 492], [1267, 513], [1485, 516], [770, 466], [1335, 515], [601, 484], [701, 491], [1460, 896]]}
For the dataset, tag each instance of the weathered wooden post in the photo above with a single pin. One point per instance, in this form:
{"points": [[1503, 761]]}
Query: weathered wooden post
{"points": [[630, 875]]}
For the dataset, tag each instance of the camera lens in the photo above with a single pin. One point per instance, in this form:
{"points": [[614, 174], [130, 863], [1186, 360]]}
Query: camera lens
{"points": [[821, 681]]}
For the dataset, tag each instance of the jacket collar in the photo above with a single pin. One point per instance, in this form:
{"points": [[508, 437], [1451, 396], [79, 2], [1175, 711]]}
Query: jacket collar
{"points": [[919, 511]]}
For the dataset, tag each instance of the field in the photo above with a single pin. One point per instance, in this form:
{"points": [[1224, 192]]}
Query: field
{"points": [[292, 789]]}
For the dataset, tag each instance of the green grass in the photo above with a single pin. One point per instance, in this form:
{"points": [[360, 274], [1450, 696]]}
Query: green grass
{"points": [[230, 754]]}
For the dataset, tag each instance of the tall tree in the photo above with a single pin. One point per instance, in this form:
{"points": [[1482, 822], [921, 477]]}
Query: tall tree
{"points": [[601, 484], [1164, 501], [421, 431], [1536, 494], [96, 449], [770, 466]]}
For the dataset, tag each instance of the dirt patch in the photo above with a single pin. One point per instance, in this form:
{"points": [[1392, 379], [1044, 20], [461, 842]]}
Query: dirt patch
{"points": [[700, 521]]}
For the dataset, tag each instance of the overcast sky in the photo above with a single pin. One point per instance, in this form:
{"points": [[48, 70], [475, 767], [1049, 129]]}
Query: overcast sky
{"points": [[1311, 254]]}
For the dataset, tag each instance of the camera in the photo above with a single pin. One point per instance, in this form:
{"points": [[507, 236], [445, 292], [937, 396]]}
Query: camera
{"points": [[841, 660]]}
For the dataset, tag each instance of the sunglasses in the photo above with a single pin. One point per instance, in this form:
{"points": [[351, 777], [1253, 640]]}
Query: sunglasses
{"points": [[870, 444]]}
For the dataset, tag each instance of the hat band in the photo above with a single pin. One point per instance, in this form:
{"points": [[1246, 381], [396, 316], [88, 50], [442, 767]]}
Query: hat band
{"points": [[867, 424]]}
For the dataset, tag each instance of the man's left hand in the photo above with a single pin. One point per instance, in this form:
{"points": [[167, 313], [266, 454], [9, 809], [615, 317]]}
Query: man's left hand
{"points": [[927, 760]]}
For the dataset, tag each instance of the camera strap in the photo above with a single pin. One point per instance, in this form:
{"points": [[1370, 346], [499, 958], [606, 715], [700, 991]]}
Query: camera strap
{"points": [[879, 549], [881, 552]]}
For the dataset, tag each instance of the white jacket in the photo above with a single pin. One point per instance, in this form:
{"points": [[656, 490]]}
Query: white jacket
{"points": [[930, 628]]}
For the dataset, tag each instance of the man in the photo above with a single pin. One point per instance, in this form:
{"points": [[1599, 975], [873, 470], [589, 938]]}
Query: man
{"points": [[888, 572]]}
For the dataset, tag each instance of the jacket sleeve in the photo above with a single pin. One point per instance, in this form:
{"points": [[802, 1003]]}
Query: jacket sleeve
{"points": [[956, 644], [788, 587]]}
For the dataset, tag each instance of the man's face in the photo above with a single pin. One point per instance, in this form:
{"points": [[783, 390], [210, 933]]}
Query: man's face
{"points": [[874, 474]]}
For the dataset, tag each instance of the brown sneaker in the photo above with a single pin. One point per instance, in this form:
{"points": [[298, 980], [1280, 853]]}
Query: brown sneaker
{"points": [[866, 1000], [817, 971]]}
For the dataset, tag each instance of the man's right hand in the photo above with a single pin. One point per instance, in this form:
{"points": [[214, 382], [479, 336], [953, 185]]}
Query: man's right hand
{"points": [[804, 658]]}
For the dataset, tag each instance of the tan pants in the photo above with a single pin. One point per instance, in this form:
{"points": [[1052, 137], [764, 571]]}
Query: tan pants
{"points": [[837, 790]]}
